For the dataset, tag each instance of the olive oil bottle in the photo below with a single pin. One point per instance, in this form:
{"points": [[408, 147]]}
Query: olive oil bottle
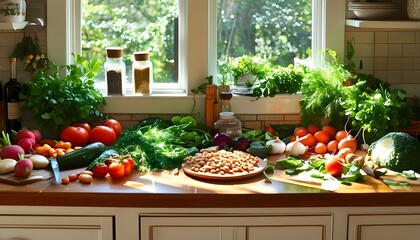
{"points": [[11, 99]]}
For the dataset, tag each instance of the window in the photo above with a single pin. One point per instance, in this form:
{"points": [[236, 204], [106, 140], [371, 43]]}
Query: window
{"points": [[199, 46]]}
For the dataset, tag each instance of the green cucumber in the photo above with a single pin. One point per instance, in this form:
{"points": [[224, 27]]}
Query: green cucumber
{"points": [[81, 157]]}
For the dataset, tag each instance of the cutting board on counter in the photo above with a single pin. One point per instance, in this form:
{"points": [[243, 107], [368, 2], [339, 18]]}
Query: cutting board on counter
{"points": [[36, 176], [366, 185]]}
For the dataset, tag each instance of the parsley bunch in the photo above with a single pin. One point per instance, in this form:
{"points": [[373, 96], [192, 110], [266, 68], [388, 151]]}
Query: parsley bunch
{"points": [[59, 100]]}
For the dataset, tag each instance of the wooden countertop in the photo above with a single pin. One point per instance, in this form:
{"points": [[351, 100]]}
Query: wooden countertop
{"points": [[170, 190]]}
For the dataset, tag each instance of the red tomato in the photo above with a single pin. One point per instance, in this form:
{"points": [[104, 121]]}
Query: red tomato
{"points": [[83, 125], [114, 124], [77, 136], [100, 171], [334, 166], [271, 130], [116, 170], [128, 165], [103, 134]]}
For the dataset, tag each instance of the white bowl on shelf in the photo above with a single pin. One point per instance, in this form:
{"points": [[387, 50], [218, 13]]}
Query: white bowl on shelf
{"points": [[374, 10]]}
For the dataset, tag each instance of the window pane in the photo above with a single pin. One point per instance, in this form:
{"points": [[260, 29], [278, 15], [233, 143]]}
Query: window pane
{"points": [[277, 28], [135, 25]]}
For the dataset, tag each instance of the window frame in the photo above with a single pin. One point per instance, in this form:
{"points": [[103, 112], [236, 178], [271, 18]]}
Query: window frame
{"points": [[199, 49]]}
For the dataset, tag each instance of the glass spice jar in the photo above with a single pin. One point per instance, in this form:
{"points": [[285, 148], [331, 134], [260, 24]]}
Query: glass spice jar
{"points": [[142, 72], [115, 71], [225, 98], [229, 124]]}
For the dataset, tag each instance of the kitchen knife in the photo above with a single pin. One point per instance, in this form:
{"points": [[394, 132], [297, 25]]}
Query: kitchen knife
{"points": [[55, 169]]}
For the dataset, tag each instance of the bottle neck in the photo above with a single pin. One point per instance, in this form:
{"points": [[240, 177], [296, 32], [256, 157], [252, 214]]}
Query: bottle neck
{"points": [[13, 70]]}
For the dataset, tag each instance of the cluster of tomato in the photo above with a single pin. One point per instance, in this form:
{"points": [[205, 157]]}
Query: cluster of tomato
{"points": [[323, 140], [80, 134], [116, 167]]}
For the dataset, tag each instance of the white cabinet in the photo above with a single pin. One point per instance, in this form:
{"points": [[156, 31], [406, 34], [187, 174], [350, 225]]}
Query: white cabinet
{"points": [[314, 227], [384, 227], [56, 227]]}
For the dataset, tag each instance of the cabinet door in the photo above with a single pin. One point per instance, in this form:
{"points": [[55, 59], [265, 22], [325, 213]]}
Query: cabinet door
{"points": [[384, 227], [56, 227], [236, 228]]}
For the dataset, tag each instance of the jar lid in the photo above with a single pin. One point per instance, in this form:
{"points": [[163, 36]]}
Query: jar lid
{"points": [[226, 95], [226, 115], [114, 52], [141, 56]]}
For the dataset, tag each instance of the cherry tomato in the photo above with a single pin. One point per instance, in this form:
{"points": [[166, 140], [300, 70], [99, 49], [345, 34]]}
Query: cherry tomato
{"points": [[114, 124], [100, 171], [334, 166], [271, 130], [83, 125], [103, 134], [116, 170], [128, 165], [77, 136]]}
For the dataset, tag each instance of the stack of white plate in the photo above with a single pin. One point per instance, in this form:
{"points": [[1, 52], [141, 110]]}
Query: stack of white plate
{"points": [[374, 10]]}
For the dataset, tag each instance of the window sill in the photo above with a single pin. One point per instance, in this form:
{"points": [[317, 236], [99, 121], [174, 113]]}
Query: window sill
{"points": [[183, 104]]}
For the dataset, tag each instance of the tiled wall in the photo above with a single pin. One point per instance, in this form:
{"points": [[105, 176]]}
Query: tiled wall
{"points": [[391, 55]]}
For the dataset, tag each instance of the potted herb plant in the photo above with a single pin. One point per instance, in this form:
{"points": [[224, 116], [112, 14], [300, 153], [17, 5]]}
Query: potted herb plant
{"points": [[57, 100]]}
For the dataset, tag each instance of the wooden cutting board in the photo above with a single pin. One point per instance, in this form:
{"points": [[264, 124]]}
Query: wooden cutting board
{"points": [[37, 175], [367, 184]]}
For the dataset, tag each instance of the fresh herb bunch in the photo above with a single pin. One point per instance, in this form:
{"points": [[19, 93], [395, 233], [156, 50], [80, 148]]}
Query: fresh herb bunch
{"points": [[241, 67], [29, 51], [322, 93], [281, 80], [378, 110], [57, 100]]}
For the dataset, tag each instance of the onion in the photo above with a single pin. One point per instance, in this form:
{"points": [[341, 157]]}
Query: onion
{"points": [[296, 148], [221, 140], [277, 146]]}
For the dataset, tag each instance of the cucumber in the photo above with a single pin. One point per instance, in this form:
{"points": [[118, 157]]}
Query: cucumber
{"points": [[82, 157]]}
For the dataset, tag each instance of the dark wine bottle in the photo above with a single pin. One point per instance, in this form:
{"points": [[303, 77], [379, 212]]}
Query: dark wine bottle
{"points": [[11, 99]]}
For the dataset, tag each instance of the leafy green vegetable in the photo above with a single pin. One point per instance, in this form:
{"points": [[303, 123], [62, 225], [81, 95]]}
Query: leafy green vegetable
{"points": [[258, 149], [288, 163], [395, 183], [56, 100]]}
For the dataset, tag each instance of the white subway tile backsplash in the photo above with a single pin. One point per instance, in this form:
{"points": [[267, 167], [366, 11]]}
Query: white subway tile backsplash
{"points": [[417, 40], [416, 63], [381, 37], [381, 63], [400, 63], [395, 50], [411, 76], [361, 37], [401, 37], [394, 77], [411, 50], [381, 50], [364, 50]]}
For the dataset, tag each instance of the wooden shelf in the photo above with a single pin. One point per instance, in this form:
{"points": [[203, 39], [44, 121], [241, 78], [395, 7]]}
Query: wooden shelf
{"points": [[12, 25], [400, 24]]}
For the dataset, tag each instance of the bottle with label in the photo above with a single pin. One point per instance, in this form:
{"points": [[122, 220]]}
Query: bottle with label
{"points": [[229, 124], [142, 72], [115, 71], [12, 103]]}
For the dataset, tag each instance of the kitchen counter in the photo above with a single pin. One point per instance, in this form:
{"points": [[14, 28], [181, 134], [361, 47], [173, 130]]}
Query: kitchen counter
{"points": [[177, 190]]}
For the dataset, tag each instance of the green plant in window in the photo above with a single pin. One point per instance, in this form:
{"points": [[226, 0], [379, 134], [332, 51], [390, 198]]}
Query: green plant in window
{"points": [[10, 9]]}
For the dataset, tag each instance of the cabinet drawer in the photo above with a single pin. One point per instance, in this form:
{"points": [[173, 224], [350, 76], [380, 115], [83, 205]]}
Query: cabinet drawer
{"points": [[56, 227], [384, 227], [236, 228]]}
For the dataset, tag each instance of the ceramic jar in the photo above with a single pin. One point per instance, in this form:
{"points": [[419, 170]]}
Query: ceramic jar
{"points": [[413, 9], [12, 10]]}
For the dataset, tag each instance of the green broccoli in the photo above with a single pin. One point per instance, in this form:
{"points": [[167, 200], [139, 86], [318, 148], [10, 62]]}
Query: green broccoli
{"points": [[397, 151]]}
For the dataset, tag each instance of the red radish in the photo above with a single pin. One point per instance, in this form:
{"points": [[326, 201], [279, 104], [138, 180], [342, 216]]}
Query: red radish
{"points": [[23, 168], [24, 133], [11, 151], [37, 134], [27, 144]]}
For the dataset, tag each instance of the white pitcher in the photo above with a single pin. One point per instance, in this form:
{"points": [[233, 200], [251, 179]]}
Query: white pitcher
{"points": [[12, 10]]}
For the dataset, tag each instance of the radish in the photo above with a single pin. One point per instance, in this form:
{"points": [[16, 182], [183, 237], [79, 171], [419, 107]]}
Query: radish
{"points": [[24, 133], [23, 167], [27, 144], [37, 134], [9, 150]]}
